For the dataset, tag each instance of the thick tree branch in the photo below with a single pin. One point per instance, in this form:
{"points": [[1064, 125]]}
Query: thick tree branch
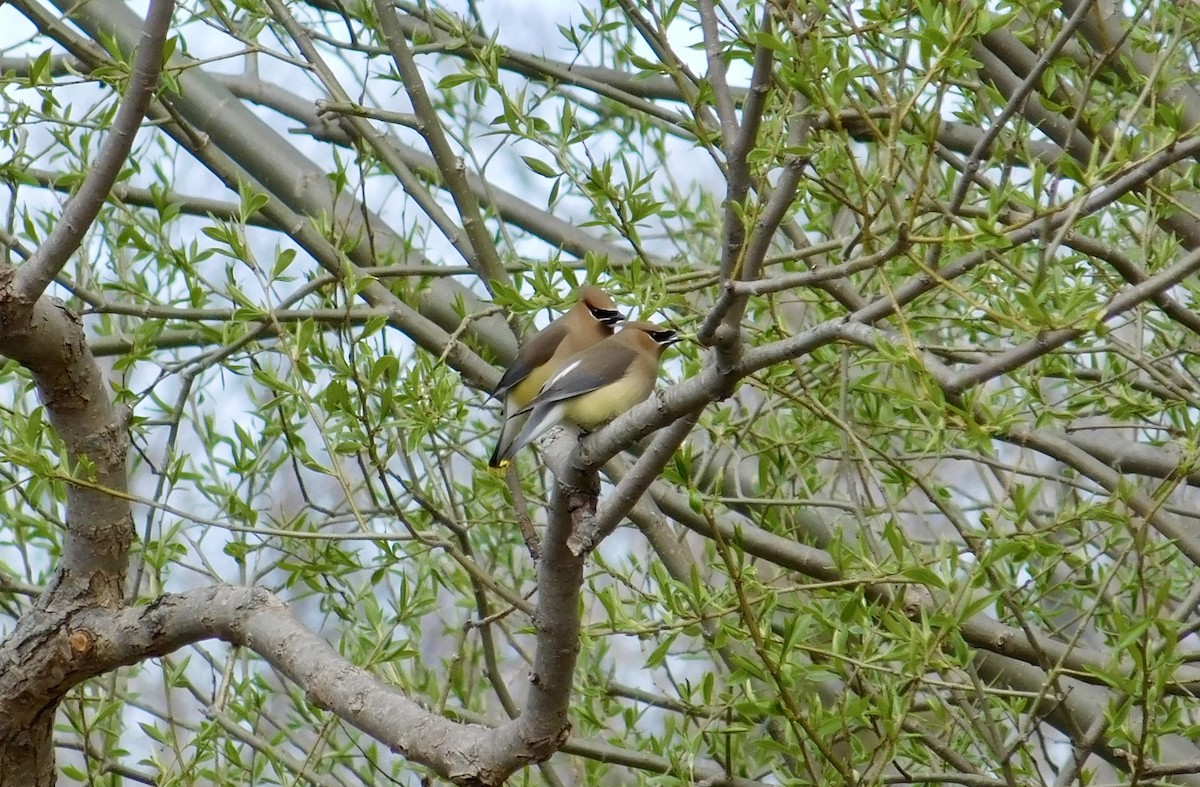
{"points": [[255, 619], [545, 724], [48, 341], [1130, 456], [95, 640]]}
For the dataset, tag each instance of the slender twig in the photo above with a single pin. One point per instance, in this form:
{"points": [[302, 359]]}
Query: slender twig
{"points": [[1012, 106], [1047, 341], [484, 258], [1080, 752], [633, 91]]}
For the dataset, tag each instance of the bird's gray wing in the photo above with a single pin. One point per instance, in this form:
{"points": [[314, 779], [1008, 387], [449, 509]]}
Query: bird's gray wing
{"points": [[587, 371], [532, 354]]}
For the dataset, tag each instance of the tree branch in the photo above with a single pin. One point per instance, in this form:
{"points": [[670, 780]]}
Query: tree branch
{"points": [[1079, 707], [239, 148], [1131, 297], [255, 619], [1013, 105], [48, 341], [77, 217], [507, 205], [716, 75], [484, 260], [51, 346], [630, 489]]}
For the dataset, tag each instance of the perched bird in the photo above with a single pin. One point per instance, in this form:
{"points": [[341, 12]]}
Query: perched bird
{"points": [[596, 385], [586, 323]]}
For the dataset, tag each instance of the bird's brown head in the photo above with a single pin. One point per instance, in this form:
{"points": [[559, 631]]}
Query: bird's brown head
{"points": [[649, 336], [600, 305]]}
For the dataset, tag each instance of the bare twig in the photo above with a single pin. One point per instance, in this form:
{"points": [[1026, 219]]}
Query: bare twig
{"points": [[716, 74]]}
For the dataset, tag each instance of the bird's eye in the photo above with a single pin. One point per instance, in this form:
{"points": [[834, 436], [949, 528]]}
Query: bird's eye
{"points": [[662, 337]]}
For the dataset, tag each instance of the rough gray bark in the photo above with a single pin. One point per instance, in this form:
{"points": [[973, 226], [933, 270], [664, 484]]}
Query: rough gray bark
{"points": [[46, 655]]}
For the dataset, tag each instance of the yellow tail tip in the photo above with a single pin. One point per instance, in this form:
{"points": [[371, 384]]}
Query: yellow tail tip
{"points": [[499, 467]]}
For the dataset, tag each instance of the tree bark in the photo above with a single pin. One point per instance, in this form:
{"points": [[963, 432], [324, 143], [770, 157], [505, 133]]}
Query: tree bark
{"points": [[40, 661]]}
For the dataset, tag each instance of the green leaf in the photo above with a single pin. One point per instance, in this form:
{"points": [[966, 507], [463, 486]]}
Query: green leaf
{"points": [[540, 167]]}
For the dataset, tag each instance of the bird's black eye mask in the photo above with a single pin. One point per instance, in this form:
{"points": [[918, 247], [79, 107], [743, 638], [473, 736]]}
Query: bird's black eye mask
{"points": [[606, 316]]}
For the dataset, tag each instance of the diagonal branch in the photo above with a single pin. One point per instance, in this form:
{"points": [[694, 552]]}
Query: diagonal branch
{"points": [[717, 382], [429, 125], [508, 206], [36, 274], [1130, 298], [630, 489], [1014, 102], [378, 141]]}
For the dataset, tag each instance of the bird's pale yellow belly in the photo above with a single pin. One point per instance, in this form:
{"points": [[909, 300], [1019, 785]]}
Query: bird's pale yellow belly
{"points": [[605, 404], [523, 392]]}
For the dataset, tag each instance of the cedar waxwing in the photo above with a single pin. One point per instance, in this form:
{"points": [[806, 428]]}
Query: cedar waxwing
{"points": [[586, 323], [598, 384]]}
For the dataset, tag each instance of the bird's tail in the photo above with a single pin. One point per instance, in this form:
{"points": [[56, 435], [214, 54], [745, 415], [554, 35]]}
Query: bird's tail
{"points": [[505, 444], [538, 420]]}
